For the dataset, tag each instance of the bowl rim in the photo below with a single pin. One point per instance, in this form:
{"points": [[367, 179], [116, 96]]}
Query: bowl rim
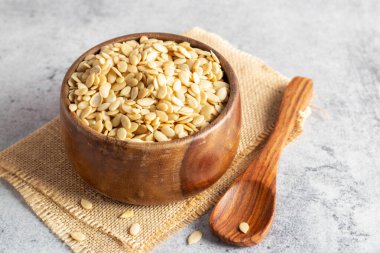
{"points": [[91, 133]]}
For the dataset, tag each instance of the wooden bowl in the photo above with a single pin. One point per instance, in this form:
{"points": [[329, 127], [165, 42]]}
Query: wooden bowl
{"points": [[153, 173]]}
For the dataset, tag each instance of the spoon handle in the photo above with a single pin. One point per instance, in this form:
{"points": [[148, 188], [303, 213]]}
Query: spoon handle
{"points": [[296, 98]]}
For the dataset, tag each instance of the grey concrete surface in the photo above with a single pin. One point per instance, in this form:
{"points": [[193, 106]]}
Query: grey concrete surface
{"points": [[329, 179]]}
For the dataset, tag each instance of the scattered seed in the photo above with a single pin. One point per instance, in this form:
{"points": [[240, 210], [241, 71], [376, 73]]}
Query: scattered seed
{"points": [[127, 214], [86, 204], [134, 229], [195, 237], [78, 236]]}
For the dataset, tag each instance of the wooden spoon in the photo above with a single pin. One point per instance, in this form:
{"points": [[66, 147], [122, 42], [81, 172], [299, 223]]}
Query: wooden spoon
{"points": [[252, 197]]}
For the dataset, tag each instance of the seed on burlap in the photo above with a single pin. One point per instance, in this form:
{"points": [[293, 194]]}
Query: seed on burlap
{"points": [[127, 214], [134, 229], [194, 237], [78, 236], [86, 204]]}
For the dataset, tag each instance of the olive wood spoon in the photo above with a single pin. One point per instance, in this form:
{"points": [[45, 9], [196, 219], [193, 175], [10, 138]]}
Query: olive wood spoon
{"points": [[252, 197]]}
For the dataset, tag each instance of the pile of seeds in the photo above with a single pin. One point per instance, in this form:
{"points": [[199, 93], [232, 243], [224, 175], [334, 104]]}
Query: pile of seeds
{"points": [[151, 90]]}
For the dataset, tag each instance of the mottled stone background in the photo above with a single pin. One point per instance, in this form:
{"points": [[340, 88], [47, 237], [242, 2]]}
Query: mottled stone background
{"points": [[329, 179]]}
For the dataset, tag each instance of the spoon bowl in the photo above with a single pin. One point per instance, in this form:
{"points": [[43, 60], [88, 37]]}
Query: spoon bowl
{"points": [[257, 213]]}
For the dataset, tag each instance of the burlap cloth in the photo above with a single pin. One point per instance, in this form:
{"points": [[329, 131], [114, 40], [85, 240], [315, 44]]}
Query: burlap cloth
{"points": [[37, 167]]}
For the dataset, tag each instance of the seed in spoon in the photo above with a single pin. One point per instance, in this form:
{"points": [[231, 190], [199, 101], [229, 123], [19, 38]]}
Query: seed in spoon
{"points": [[244, 227], [194, 237], [86, 204]]}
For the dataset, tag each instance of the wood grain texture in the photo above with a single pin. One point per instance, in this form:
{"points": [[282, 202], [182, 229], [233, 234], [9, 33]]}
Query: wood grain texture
{"points": [[153, 173], [252, 197]]}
